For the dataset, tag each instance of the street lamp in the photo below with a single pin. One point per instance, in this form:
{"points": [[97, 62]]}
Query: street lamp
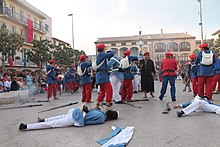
{"points": [[200, 12], [72, 30]]}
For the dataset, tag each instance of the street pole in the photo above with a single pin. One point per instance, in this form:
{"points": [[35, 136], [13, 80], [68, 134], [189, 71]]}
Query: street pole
{"points": [[201, 24], [72, 31], [73, 38]]}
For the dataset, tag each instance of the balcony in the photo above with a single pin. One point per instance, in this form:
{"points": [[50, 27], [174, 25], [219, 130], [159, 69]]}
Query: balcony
{"points": [[21, 19]]}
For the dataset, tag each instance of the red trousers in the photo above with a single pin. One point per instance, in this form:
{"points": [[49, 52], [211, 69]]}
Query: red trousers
{"points": [[86, 92], [215, 80], [70, 85], [58, 87], [127, 90], [205, 82], [52, 89], [105, 89], [67, 87], [195, 85]]}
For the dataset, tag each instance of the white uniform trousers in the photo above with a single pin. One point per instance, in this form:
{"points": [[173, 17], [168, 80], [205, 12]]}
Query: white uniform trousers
{"points": [[54, 122], [116, 84], [135, 83], [199, 105]]}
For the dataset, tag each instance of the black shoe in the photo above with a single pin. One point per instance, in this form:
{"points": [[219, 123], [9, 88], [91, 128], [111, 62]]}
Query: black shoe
{"points": [[179, 113], [173, 100], [22, 127], [105, 104], [161, 98], [40, 119], [56, 98], [135, 92], [119, 102]]}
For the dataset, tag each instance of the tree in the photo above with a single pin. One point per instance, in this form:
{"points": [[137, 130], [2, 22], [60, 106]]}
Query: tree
{"points": [[9, 44], [66, 56], [40, 53], [214, 45]]}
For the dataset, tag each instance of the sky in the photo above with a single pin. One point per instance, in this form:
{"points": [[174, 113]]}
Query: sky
{"points": [[93, 19]]}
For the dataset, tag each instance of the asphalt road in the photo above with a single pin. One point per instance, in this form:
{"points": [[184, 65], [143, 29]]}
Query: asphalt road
{"points": [[152, 128]]}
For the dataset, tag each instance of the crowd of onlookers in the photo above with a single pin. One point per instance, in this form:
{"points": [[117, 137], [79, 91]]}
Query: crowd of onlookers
{"points": [[27, 80]]}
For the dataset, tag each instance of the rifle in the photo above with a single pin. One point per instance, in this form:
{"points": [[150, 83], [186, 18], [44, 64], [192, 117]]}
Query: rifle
{"points": [[58, 107], [131, 105], [27, 106], [137, 100]]}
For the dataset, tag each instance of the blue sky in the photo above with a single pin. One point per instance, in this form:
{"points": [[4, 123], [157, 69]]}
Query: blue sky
{"points": [[109, 18]]}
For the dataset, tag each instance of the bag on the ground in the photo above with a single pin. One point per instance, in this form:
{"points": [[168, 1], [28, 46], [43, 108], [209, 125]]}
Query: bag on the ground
{"points": [[95, 66], [207, 58], [124, 63], [79, 71]]}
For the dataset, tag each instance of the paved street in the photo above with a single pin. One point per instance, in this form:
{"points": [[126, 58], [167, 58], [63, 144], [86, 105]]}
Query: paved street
{"points": [[152, 128]]}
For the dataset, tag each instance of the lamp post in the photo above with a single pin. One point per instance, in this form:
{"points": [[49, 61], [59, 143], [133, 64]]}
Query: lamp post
{"points": [[72, 30], [201, 24]]}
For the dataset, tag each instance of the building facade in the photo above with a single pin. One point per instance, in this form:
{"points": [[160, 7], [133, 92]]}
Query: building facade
{"points": [[180, 44], [16, 16]]}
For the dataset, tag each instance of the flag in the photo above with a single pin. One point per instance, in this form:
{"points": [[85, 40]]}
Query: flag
{"points": [[30, 30], [11, 62]]}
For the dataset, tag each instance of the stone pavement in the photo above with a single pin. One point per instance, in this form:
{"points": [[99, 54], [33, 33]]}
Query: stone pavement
{"points": [[152, 128]]}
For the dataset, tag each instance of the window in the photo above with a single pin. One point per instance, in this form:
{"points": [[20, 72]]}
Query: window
{"points": [[184, 57], [133, 43], [123, 43], [145, 42], [113, 44], [160, 47], [47, 27], [41, 38], [21, 15], [35, 23], [13, 29], [21, 32], [3, 24], [35, 37], [159, 58], [184, 46], [172, 47]]}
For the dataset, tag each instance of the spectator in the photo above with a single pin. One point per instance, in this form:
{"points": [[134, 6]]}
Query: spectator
{"points": [[7, 84], [14, 84]]}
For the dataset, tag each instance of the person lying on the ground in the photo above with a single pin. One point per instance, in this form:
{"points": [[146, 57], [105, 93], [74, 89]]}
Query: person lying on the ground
{"points": [[75, 117], [198, 104]]}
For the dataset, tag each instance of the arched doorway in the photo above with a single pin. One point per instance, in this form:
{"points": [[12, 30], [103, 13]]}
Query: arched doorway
{"points": [[134, 51], [122, 50], [116, 51]]}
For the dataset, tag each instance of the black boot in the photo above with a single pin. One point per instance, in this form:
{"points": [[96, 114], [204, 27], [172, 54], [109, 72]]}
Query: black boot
{"points": [[179, 113], [22, 127], [40, 119]]}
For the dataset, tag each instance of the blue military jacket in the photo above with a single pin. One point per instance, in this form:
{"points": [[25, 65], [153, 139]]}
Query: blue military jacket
{"points": [[192, 70], [102, 71], [69, 75], [127, 72], [51, 75], [217, 66], [85, 78], [113, 66], [205, 70]]}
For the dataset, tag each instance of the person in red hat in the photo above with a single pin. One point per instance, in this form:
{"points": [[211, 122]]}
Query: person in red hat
{"points": [[205, 59], [216, 78], [102, 78], [169, 67], [83, 72], [147, 75], [51, 80], [127, 86], [192, 73]]}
